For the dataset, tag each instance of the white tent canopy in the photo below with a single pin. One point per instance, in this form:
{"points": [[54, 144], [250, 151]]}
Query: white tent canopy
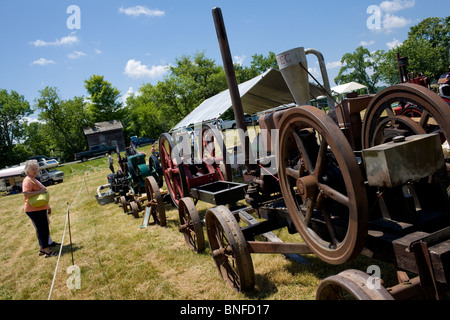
{"points": [[263, 92], [348, 87]]}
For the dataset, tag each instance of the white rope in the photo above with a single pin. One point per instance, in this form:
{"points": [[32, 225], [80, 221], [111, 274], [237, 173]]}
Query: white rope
{"points": [[62, 242]]}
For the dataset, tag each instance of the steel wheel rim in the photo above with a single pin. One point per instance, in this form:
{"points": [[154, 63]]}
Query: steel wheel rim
{"points": [[229, 249], [155, 201], [350, 285], [174, 174], [191, 225], [432, 106], [336, 251]]}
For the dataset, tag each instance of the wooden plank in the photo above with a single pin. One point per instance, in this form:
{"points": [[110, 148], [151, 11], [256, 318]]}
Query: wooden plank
{"points": [[278, 247]]}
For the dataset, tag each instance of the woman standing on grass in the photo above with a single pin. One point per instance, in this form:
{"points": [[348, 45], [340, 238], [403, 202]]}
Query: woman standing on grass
{"points": [[38, 215]]}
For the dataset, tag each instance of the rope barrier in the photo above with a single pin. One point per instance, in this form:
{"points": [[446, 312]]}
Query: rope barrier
{"points": [[62, 241]]}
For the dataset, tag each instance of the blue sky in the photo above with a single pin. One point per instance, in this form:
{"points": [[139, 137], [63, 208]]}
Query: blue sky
{"points": [[131, 42]]}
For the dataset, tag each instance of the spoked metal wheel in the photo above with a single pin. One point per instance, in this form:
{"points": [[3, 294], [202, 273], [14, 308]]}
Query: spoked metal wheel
{"points": [[134, 209], [124, 204], [190, 225], [423, 108], [214, 152], [393, 126], [155, 201], [229, 249], [173, 168], [322, 185], [351, 285]]}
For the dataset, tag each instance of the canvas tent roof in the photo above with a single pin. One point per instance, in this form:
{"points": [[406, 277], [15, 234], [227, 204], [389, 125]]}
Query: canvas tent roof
{"points": [[263, 92], [348, 87]]}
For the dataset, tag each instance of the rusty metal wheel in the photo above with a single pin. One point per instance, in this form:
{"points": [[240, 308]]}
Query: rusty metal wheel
{"points": [[421, 105], [124, 204], [393, 126], [173, 168], [322, 185], [134, 209], [214, 152], [229, 249], [190, 225], [351, 285], [155, 201]]}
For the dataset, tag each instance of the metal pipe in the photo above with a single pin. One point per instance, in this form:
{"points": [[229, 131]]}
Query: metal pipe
{"points": [[232, 86], [326, 81]]}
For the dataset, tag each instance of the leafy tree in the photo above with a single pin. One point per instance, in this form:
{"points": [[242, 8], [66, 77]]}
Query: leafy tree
{"points": [[38, 139], [261, 64], [103, 98], [360, 66], [427, 48], [64, 121], [13, 108]]}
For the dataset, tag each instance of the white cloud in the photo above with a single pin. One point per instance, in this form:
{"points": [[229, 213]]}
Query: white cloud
{"points": [[396, 5], [334, 64], [135, 69], [391, 21], [130, 93], [141, 10], [239, 59], [64, 41], [367, 43], [76, 55], [393, 44], [43, 62], [98, 51]]}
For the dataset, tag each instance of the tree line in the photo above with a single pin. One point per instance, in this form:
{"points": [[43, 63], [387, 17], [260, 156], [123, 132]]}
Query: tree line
{"points": [[190, 81]]}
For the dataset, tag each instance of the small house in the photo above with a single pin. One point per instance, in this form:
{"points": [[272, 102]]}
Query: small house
{"points": [[107, 133]]}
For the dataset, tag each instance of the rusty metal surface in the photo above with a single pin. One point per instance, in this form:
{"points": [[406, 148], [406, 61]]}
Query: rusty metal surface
{"points": [[155, 201], [350, 285], [306, 191], [399, 162], [190, 225], [434, 110]]}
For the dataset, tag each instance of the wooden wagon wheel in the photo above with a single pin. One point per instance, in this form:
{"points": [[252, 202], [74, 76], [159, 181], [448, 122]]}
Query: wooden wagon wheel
{"points": [[351, 285], [229, 249], [431, 112], [134, 209], [155, 201], [212, 140], [173, 168], [322, 185], [190, 225], [124, 204]]}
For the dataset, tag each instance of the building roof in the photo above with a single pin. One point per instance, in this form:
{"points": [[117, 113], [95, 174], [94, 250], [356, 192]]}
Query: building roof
{"points": [[103, 127]]}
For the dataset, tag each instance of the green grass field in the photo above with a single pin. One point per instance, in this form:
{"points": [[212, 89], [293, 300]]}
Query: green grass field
{"points": [[120, 261]]}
